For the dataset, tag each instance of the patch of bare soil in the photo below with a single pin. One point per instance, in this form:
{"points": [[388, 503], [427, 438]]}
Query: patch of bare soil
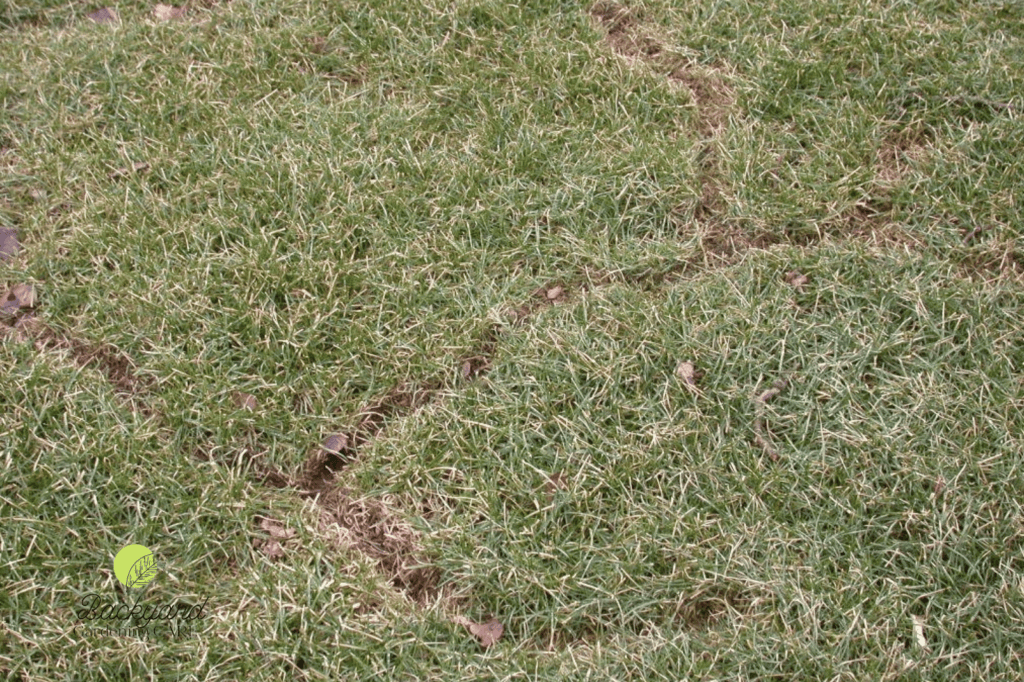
{"points": [[555, 292], [479, 362], [117, 367], [713, 98], [549, 294], [865, 218], [626, 34], [708, 210], [322, 466], [871, 220], [617, 20], [1000, 260], [323, 61], [898, 155], [721, 245], [367, 525], [714, 102], [708, 604], [697, 611], [879, 231]]}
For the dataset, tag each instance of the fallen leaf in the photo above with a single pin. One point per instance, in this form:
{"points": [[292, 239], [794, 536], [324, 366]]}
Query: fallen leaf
{"points": [[273, 549], [137, 167], [168, 12], [276, 529], [796, 279], [488, 633], [9, 245], [19, 296], [336, 443], [107, 15], [687, 373], [555, 292], [245, 401]]}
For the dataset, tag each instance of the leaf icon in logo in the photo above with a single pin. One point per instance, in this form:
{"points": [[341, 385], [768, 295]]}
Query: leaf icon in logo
{"points": [[134, 566], [142, 571]]}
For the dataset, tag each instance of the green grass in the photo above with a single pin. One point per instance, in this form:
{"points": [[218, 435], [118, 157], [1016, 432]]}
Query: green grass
{"points": [[344, 201]]}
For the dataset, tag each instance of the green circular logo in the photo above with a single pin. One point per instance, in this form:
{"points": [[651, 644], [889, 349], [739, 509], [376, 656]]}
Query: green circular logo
{"points": [[134, 566]]}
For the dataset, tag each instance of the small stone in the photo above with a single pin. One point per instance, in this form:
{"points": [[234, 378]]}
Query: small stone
{"points": [[336, 443], [107, 15], [9, 246]]}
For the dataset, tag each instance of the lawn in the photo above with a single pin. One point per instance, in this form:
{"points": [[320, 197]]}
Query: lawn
{"points": [[666, 340]]}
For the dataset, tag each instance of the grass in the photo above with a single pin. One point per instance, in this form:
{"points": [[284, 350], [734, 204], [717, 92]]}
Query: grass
{"points": [[479, 239]]}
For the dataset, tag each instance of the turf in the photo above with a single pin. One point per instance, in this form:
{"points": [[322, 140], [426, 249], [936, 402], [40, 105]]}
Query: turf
{"points": [[477, 241]]}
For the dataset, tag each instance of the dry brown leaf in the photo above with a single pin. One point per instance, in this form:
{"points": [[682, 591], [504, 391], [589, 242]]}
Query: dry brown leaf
{"points": [[687, 373], [137, 167], [273, 546], [107, 15], [168, 12], [245, 401], [273, 549], [9, 245], [19, 296], [554, 292], [276, 529], [488, 633], [336, 443], [796, 278]]}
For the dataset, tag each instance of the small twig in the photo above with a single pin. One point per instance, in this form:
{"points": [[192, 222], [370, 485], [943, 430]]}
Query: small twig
{"points": [[760, 435]]}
